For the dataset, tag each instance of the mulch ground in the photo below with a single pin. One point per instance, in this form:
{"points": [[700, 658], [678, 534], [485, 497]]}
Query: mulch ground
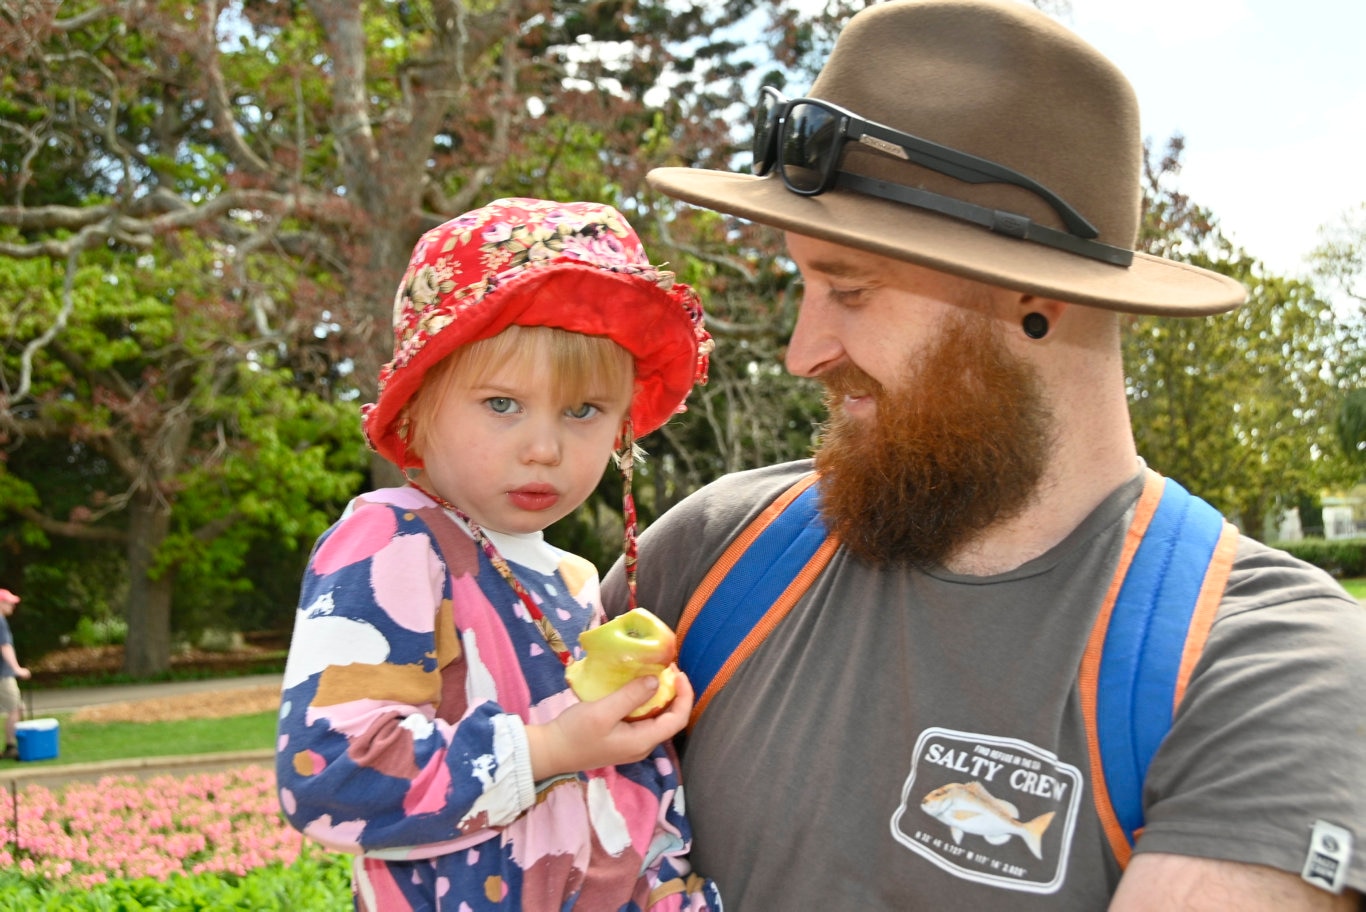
{"points": [[78, 662], [237, 701], [93, 661]]}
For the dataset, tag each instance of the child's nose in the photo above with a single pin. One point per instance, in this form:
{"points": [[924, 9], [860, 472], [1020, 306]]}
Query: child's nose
{"points": [[542, 444]]}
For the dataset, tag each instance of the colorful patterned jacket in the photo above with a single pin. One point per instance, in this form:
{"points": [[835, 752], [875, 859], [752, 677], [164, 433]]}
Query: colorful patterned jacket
{"points": [[412, 671]]}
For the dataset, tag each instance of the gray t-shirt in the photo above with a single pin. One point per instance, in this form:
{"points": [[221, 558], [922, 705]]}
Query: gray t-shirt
{"points": [[6, 639], [908, 739]]}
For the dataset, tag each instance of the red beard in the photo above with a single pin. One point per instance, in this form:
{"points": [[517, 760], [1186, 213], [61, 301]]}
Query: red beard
{"points": [[960, 446]]}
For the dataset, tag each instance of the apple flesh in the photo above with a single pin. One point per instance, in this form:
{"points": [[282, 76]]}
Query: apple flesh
{"points": [[627, 647]]}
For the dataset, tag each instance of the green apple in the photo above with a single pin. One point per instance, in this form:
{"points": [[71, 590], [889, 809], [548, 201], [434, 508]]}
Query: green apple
{"points": [[627, 647]]}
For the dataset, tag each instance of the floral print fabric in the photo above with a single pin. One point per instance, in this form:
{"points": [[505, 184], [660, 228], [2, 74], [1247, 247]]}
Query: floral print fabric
{"points": [[412, 671]]}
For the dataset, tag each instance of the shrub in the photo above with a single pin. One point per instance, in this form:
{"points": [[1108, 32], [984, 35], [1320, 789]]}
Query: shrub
{"points": [[1345, 558], [104, 632], [316, 880]]}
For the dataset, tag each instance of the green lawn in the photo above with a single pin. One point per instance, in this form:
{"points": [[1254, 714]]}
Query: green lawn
{"points": [[90, 742], [1356, 586]]}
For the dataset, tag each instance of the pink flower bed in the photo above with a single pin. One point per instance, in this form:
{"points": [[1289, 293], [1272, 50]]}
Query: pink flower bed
{"points": [[124, 828]]}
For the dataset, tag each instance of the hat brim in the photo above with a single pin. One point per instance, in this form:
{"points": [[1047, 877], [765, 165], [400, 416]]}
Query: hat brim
{"points": [[648, 321], [1150, 285]]}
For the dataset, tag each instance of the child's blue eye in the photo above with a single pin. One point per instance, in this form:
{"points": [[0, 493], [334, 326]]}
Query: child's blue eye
{"points": [[501, 405], [582, 410]]}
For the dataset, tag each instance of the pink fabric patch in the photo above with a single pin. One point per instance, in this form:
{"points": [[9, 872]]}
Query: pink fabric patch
{"points": [[369, 531], [344, 836], [427, 792], [386, 890], [636, 804], [406, 576], [560, 826], [497, 656]]}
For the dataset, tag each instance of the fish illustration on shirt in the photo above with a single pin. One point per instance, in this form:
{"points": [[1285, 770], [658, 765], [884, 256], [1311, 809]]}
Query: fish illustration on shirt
{"points": [[970, 808]]}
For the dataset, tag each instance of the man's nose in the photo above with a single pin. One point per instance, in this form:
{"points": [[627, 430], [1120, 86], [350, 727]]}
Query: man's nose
{"points": [[815, 346]]}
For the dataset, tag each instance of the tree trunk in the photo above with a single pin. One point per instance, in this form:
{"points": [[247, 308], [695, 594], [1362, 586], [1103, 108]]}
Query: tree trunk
{"points": [[147, 650]]}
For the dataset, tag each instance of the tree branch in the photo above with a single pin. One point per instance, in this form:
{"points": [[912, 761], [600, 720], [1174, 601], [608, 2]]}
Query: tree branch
{"points": [[73, 529]]}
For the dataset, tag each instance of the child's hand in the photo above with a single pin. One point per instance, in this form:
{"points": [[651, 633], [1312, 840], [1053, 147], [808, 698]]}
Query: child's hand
{"points": [[589, 735]]}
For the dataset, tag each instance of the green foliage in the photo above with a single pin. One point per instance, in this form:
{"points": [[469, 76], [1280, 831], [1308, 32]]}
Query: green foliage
{"points": [[1239, 407], [156, 382], [1351, 425], [72, 583], [316, 880], [104, 632]]}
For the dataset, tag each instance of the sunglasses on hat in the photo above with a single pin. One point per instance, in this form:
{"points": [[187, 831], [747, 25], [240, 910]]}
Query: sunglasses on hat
{"points": [[803, 139]]}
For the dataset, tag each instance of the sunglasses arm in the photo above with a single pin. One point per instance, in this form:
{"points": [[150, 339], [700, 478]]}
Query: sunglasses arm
{"points": [[967, 168], [996, 220]]}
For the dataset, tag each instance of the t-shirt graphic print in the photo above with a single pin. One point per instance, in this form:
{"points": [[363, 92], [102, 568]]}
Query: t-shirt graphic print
{"points": [[991, 810]]}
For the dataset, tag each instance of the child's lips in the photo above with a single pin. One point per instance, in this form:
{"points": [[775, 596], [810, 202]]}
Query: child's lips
{"points": [[534, 497]]}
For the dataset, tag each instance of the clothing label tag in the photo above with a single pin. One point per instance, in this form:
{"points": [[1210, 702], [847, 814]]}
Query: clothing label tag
{"points": [[1330, 853]]}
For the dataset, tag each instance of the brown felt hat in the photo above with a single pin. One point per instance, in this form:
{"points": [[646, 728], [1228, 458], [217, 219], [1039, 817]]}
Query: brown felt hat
{"points": [[1001, 81]]}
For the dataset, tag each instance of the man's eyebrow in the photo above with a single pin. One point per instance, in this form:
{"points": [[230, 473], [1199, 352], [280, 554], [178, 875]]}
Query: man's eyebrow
{"points": [[839, 268]]}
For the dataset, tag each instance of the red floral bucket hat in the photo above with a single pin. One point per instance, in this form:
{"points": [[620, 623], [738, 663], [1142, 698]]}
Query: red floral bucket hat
{"points": [[530, 262]]}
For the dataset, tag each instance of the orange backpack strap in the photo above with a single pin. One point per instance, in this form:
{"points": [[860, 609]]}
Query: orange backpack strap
{"points": [[751, 588]]}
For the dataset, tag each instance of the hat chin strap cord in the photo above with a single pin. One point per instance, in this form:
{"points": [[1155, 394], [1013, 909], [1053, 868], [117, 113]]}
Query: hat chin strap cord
{"points": [[999, 221]]}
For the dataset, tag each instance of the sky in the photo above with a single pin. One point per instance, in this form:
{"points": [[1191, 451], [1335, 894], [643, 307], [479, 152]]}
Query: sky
{"points": [[1270, 96]]}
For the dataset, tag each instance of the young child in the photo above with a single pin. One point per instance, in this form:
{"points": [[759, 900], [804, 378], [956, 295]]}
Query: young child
{"points": [[425, 721]]}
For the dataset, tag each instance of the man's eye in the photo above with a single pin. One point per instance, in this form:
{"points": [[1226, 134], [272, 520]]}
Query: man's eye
{"points": [[582, 410], [845, 295]]}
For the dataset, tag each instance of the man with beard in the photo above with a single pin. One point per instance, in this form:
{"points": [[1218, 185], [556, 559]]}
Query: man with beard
{"points": [[960, 192]]}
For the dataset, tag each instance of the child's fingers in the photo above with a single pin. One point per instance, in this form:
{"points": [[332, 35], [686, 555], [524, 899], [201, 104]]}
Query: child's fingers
{"points": [[625, 699], [674, 716]]}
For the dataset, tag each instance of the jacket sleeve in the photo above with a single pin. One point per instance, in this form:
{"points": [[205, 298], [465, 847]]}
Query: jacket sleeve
{"points": [[382, 746]]}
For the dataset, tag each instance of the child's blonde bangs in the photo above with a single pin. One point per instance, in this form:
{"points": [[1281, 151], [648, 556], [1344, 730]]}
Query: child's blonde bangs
{"points": [[577, 367]]}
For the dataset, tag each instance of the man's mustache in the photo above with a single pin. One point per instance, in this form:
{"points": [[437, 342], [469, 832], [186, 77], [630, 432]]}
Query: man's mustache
{"points": [[848, 379]]}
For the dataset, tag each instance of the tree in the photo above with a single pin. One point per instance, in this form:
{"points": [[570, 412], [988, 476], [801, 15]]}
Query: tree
{"points": [[1340, 264], [1237, 407], [183, 439]]}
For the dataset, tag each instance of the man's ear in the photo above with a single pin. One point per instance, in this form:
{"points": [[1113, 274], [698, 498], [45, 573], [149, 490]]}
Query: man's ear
{"points": [[1038, 316]]}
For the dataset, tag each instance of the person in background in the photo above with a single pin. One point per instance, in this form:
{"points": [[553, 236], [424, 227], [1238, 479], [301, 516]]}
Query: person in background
{"points": [[426, 723], [961, 190], [10, 673]]}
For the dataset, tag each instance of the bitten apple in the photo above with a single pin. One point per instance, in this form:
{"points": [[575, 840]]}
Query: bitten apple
{"points": [[629, 646]]}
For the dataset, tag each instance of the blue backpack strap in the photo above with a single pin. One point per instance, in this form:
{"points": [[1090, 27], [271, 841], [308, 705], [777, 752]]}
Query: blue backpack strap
{"points": [[752, 587], [1169, 583]]}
